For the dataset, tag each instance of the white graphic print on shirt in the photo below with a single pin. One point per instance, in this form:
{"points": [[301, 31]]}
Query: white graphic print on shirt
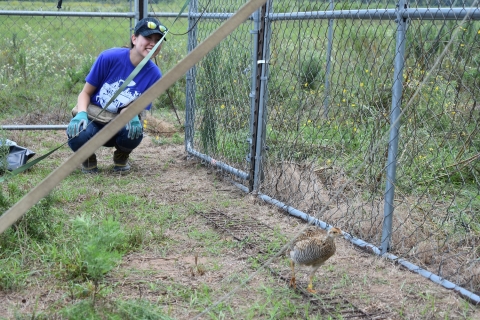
{"points": [[125, 97]]}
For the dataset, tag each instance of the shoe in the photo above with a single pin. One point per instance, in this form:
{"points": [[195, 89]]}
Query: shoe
{"points": [[90, 165], [120, 159]]}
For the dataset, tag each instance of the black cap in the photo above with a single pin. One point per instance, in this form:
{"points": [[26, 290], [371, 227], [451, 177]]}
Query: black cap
{"points": [[149, 26]]}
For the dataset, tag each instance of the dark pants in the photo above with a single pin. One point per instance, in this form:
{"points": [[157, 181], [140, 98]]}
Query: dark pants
{"points": [[119, 141]]}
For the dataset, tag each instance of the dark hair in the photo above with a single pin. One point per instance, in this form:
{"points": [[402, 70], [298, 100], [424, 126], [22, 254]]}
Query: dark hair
{"points": [[131, 42]]}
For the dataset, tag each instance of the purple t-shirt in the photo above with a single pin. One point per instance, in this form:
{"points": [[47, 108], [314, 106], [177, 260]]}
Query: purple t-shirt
{"points": [[110, 71]]}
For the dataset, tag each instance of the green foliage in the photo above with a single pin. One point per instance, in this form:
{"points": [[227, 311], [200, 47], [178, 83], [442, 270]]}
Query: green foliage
{"points": [[36, 227], [224, 84], [31, 62], [4, 151], [50, 48], [468, 68], [100, 247], [170, 54], [77, 76], [311, 72], [120, 309], [37, 224], [80, 310], [139, 309], [211, 88], [208, 131], [176, 138], [30, 59], [12, 273]]}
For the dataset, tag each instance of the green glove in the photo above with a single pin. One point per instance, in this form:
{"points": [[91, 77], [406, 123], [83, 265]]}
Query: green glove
{"points": [[78, 121], [134, 128]]}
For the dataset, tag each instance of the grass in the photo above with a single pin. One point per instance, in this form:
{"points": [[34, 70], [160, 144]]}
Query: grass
{"points": [[94, 231], [92, 250]]}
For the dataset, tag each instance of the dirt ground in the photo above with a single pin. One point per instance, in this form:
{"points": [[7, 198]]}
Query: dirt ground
{"points": [[377, 288]]}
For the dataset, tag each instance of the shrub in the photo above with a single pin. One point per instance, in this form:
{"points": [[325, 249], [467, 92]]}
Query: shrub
{"points": [[100, 247]]}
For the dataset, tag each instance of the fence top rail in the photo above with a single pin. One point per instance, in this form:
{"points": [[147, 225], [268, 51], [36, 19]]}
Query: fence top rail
{"points": [[383, 14], [88, 14], [370, 14], [67, 14]]}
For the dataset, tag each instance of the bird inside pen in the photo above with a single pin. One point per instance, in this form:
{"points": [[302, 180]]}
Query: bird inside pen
{"points": [[312, 248]]}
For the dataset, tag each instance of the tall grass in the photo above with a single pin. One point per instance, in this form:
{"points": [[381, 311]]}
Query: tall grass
{"points": [[44, 62]]}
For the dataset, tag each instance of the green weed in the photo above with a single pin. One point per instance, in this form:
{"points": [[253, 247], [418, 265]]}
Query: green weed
{"points": [[4, 151], [311, 73], [119, 309], [100, 246], [176, 138]]}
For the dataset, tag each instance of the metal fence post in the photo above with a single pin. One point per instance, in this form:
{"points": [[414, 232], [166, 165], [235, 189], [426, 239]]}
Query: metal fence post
{"points": [[329, 63], [130, 19], [252, 95], [190, 78], [263, 110], [141, 10], [258, 138], [394, 125]]}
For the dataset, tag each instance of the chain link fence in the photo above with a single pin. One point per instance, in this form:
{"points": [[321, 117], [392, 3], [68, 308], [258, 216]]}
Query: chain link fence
{"points": [[56, 42], [218, 88], [359, 112]]}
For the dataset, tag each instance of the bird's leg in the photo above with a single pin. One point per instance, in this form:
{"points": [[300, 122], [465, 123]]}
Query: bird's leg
{"points": [[292, 280], [310, 283]]}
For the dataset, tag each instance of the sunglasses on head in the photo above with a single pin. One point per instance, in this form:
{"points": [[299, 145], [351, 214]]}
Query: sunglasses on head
{"points": [[153, 25]]}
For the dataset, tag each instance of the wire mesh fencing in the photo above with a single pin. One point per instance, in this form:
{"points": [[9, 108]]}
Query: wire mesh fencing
{"points": [[36, 48], [45, 40], [370, 111], [221, 103]]}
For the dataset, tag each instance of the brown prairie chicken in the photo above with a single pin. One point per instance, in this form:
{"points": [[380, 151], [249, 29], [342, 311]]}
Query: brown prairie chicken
{"points": [[312, 248]]}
